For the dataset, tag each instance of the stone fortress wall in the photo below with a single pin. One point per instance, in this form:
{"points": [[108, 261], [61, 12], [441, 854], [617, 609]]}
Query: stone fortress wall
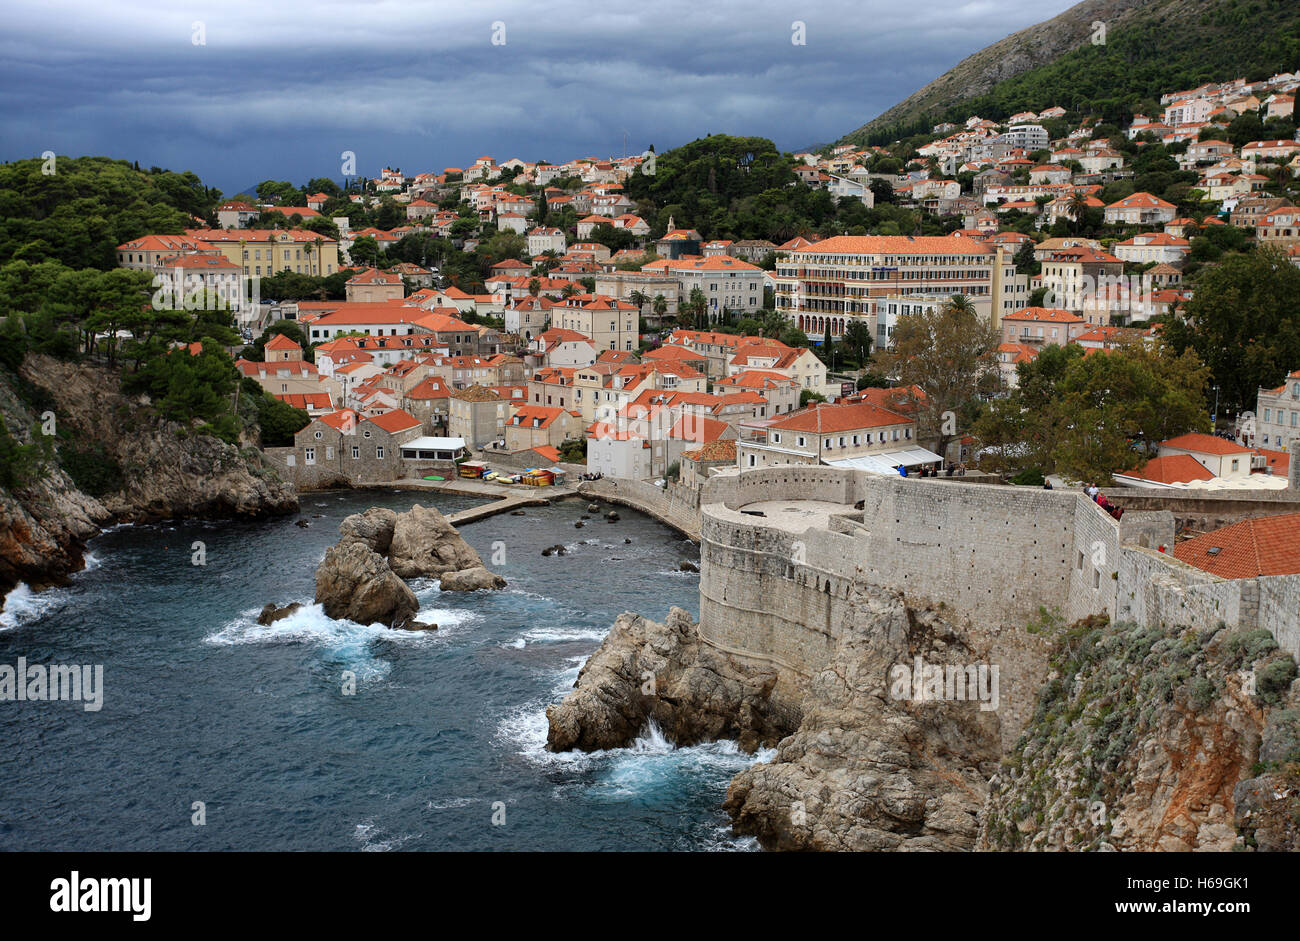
{"points": [[774, 589]]}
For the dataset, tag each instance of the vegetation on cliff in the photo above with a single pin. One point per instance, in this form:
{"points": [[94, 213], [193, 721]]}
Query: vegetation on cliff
{"points": [[1150, 47], [1140, 738]]}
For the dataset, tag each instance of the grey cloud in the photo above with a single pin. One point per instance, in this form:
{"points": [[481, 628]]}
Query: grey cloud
{"points": [[279, 89]]}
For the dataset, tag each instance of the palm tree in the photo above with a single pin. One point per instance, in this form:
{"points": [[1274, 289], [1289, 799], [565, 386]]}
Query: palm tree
{"points": [[1077, 204], [700, 305], [960, 305], [639, 299], [660, 306], [534, 285]]}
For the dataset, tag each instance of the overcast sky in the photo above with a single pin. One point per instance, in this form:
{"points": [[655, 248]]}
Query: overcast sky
{"points": [[279, 89]]}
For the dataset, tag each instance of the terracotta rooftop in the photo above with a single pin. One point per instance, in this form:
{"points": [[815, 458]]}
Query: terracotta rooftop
{"points": [[1267, 545]]}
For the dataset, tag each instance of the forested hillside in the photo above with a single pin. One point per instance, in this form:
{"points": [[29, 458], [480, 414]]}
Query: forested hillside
{"points": [[1150, 47]]}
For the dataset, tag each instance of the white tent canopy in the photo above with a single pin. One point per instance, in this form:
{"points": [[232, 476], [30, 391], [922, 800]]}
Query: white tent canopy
{"points": [[886, 462], [430, 448]]}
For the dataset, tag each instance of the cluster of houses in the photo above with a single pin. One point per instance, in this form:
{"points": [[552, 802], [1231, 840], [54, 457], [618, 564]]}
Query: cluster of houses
{"points": [[405, 374]]}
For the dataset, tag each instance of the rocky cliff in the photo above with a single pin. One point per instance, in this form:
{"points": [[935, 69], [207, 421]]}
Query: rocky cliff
{"points": [[1151, 739], [1142, 739], [160, 470], [863, 770]]}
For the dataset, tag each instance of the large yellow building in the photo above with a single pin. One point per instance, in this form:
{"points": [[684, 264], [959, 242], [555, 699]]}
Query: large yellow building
{"points": [[271, 251], [831, 283]]}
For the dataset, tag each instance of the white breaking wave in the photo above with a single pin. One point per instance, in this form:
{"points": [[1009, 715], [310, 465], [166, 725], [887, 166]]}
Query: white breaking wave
{"points": [[539, 635], [342, 640], [92, 561], [367, 833], [24, 606]]}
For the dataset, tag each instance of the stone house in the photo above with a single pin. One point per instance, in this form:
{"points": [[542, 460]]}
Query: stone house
{"points": [[478, 415], [347, 448], [534, 426]]}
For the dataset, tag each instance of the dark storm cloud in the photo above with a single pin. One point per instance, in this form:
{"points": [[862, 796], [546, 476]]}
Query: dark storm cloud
{"points": [[280, 90]]}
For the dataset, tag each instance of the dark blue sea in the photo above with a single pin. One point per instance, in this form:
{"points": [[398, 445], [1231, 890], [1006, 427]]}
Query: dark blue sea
{"points": [[441, 747]]}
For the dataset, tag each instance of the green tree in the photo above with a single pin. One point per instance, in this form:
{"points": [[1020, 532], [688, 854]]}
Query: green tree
{"points": [[1243, 323], [949, 353]]}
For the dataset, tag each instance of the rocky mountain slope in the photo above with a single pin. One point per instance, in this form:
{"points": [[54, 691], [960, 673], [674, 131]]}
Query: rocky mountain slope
{"points": [[1018, 53], [1149, 47], [159, 471]]}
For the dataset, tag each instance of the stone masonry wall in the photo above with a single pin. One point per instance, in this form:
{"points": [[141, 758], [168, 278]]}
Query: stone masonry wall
{"points": [[993, 556]]}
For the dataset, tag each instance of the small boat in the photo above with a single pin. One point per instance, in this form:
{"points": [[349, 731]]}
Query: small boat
{"points": [[434, 477]]}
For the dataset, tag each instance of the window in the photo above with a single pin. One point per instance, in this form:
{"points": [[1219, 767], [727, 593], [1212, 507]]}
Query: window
{"points": [[356, 452], [310, 455], [379, 453]]}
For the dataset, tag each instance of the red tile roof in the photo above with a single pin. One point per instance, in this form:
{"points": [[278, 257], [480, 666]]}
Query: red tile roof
{"points": [[1267, 545], [1204, 444], [306, 400], [821, 418], [1175, 469], [395, 421]]}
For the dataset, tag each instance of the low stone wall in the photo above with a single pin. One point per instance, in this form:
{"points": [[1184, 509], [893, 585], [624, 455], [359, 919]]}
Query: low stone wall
{"points": [[1206, 511], [678, 507], [994, 556]]}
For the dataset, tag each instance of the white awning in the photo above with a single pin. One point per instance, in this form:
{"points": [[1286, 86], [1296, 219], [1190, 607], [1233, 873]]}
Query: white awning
{"points": [[429, 443], [430, 448], [886, 462]]}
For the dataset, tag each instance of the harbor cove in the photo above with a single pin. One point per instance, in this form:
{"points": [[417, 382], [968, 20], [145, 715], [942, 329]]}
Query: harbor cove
{"points": [[209, 716]]}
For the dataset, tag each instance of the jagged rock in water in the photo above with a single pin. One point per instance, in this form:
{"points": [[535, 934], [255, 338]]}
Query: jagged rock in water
{"points": [[374, 529], [475, 578], [593, 508], [866, 770], [662, 672], [688, 567], [425, 543], [418, 626], [861, 771], [354, 582], [301, 524], [270, 613]]}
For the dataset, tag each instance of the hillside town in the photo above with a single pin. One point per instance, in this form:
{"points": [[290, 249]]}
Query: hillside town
{"points": [[631, 346], [770, 442]]}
